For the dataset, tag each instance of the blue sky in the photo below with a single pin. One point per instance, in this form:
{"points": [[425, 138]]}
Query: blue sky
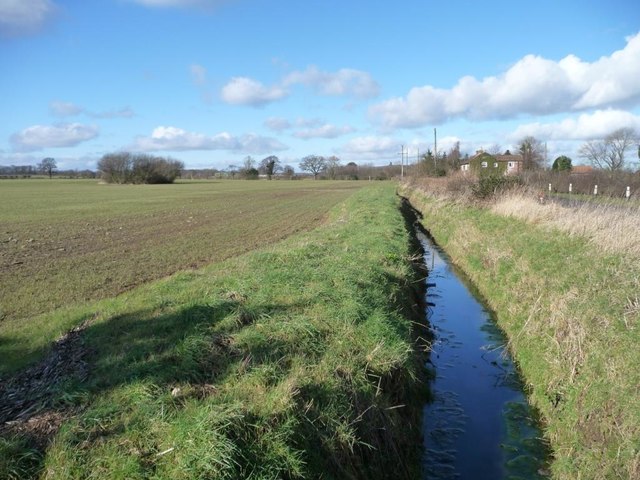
{"points": [[211, 81]]}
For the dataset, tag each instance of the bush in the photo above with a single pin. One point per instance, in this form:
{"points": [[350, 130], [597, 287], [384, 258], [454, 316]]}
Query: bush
{"points": [[125, 167], [489, 185], [250, 174]]}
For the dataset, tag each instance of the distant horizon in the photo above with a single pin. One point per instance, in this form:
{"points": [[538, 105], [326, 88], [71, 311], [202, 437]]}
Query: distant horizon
{"points": [[209, 82]]}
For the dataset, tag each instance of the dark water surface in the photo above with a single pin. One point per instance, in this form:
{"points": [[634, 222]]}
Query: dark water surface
{"points": [[479, 425]]}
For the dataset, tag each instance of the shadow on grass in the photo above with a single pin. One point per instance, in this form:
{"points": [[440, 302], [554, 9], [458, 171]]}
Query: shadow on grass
{"points": [[186, 346]]}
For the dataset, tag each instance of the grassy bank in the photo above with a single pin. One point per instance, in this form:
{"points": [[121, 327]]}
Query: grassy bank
{"points": [[294, 361], [571, 311]]}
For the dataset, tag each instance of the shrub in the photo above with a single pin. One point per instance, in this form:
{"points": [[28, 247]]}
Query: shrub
{"points": [[125, 167], [250, 174], [489, 185], [562, 163]]}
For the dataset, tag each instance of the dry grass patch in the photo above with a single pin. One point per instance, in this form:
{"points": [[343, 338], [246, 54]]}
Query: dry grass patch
{"points": [[610, 227]]}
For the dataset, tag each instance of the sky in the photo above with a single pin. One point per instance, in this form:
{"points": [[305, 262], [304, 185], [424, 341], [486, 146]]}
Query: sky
{"points": [[210, 82]]}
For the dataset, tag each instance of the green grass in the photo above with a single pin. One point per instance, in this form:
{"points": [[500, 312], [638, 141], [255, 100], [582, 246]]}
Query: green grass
{"points": [[67, 242], [571, 312], [293, 361]]}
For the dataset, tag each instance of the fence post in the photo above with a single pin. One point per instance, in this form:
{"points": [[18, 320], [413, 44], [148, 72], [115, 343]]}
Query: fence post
{"points": [[549, 188], [628, 194], [570, 187], [595, 190]]}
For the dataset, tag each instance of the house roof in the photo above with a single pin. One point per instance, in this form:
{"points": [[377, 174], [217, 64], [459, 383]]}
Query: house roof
{"points": [[582, 169], [505, 157]]}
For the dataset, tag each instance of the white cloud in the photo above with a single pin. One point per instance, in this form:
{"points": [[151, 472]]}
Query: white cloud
{"points": [[277, 124], [371, 148], [257, 144], [245, 91], [23, 17], [345, 81], [324, 131], [533, 85], [198, 74], [585, 127], [65, 109], [176, 139], [38, 137]]}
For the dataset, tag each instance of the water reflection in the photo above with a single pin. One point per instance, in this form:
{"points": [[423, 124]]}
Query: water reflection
{"points": [[478, 425]]}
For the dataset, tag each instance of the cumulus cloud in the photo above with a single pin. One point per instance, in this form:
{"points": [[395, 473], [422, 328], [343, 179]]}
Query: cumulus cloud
{"points": [[70, 109], [584, 127], [24, 17], [38, 137], [323, 131], [252, 143], [245, 91], [533, 85], [344, 82], [176, 139]]}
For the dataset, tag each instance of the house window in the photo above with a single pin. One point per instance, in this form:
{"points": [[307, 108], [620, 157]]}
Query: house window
{"points": [[495, 165], [484, 164], [511, 164]]}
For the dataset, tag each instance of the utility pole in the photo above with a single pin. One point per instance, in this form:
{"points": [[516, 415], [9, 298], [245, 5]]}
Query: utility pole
{"points": [[401, 161]]}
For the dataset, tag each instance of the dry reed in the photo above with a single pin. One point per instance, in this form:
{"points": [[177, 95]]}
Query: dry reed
{"points": [[615, 229]]}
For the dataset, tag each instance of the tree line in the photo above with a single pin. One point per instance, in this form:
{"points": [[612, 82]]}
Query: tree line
{"points": [[316, 165], [609, 153]]}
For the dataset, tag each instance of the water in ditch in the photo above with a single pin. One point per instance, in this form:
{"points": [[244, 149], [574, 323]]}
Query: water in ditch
{"points": [[478, 424]]}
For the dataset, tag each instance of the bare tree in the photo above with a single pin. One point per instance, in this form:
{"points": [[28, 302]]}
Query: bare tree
{"points": [[269, 166], [124, 167], [313, 164], [288, 171], [609, 153], [232, 170], [453, 157], [333, 165], [494, 149], [48, 166], [532, 151], [248, 163]]}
